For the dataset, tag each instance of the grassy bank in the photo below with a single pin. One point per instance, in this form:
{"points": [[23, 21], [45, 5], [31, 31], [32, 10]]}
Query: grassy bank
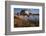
{"points": [[18, 22]]}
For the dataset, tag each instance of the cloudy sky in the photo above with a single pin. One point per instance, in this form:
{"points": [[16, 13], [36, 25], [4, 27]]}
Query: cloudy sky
{"points": [[32, 10]]}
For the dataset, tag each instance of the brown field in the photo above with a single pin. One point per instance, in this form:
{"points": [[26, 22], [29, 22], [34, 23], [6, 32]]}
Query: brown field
{"points": [[20, 22]]}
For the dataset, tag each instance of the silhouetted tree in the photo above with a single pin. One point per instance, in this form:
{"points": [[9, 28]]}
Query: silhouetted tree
{"points": [[22, 12], [17, 13]]}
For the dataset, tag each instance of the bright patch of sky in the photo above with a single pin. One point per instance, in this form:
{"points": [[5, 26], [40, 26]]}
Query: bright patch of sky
{"points": [[32, 10]]}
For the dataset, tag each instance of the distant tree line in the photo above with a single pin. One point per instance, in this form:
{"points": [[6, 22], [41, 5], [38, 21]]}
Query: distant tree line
{"points": [[22, 12]]}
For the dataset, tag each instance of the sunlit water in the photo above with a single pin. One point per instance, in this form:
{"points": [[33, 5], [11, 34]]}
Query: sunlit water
{"points": [[32, 17]]}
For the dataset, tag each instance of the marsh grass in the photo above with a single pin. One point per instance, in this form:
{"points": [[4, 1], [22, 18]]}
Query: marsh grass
{"points": [[18, 22]]}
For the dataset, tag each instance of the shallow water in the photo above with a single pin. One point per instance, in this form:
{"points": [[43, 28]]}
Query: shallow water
{"points": [[32, 17]]}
